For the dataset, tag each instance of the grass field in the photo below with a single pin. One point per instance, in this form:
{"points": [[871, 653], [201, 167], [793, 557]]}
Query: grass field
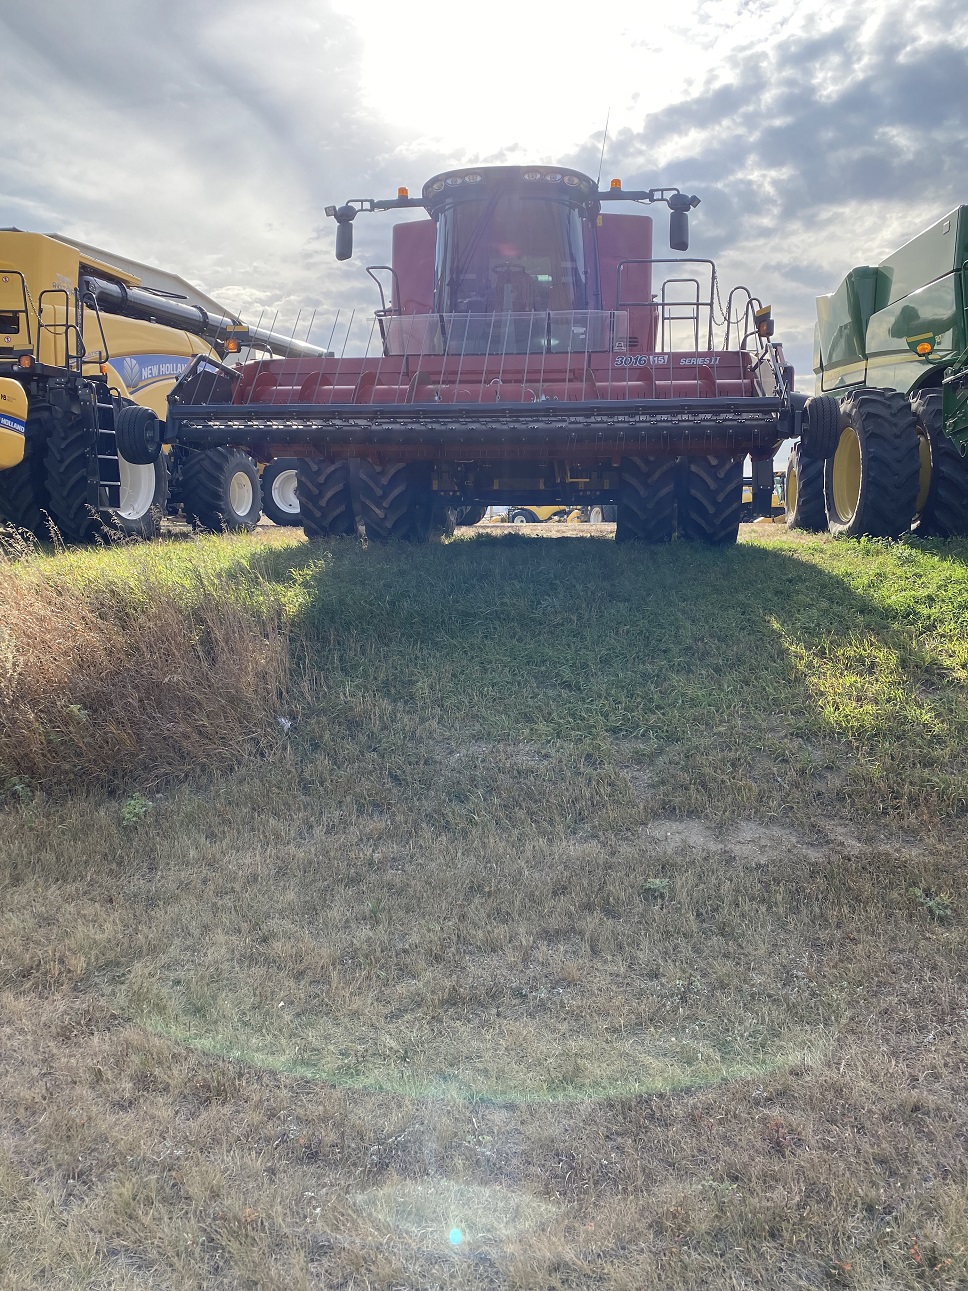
{"points": [[503, 914]]}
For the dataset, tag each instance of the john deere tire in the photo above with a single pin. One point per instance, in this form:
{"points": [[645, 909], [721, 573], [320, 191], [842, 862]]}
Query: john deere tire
{"points": [[941, 509], [806, 507], [647, 500], [710, 499], [221, 491], [143, 497], [24, 500], [871, 482], [821, 432], [396, 501], [280, 499], [325, 499]]}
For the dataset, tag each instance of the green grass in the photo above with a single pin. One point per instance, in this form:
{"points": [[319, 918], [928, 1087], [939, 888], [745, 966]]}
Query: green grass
{"points": [[603, 906]]}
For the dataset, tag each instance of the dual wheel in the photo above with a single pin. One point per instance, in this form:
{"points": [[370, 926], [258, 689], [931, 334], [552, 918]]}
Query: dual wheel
{"points": [[698, 498], [49, 489], [387, 503], [893, 471]]}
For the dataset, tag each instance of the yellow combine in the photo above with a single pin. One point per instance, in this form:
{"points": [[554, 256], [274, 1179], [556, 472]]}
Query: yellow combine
{"points": [[90, 349]]}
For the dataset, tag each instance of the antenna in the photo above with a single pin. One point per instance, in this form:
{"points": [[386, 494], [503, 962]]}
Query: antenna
{"points": [[604, 141]]}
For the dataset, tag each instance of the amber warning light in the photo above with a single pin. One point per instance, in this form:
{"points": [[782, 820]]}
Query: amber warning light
{"points": [[403, 192], [616, 183]]}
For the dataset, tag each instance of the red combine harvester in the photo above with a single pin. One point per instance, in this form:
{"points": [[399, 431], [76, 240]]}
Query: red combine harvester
{"points": [[532, 350]]}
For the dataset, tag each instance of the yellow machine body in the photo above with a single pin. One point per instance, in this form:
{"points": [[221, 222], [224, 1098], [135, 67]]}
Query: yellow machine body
{"points": [[13, 421], [38, 278]]}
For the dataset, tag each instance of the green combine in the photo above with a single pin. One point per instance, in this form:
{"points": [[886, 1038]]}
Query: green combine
{"points": [[891, 344]]}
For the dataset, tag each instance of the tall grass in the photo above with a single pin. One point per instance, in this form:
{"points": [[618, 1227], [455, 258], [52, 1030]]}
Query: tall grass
{"points": [[133, 666]]}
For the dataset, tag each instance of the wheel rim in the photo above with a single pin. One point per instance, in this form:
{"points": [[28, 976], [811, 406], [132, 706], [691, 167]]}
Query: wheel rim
{"points": [[596, 516], [847, 472], [240, 493], [284, 492], [137, 490], [520, 520], [924, 475]]}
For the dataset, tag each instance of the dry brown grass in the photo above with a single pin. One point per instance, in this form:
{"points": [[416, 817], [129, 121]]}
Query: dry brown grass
{"points": [[299, 1024], [105, 682]]}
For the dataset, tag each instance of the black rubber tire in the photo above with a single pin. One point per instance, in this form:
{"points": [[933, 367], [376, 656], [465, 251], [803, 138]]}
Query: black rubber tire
{"points": [[611, 514], [806, 504], [396, 501], [596, 514], [646, 509], [871, 481], [944, 512], [275, 491], [67, 460], [821, 433], [468, 516], [518, 516], [710, 499], [24, 500], [325, 499], [206, 487], [139, 434]]}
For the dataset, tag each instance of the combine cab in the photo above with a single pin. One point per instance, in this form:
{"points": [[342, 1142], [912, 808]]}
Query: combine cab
{"points": [[528, 348]]}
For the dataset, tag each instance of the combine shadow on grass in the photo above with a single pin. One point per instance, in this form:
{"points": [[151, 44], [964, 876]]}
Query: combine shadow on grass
{"points": [[744, 680]]}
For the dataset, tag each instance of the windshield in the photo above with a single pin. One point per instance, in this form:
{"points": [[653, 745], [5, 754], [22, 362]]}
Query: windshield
{"points": [[510, 253]]}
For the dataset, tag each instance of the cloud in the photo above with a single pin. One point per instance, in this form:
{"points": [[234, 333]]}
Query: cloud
{"points": [[207, 139], [815, 150]]}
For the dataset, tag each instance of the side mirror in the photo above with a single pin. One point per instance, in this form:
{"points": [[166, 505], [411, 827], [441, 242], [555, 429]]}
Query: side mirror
{"points": [[678, 231], [344, 239]]}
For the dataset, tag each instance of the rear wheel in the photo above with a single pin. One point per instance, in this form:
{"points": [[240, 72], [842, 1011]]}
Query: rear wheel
{"points": [[805, 504], [942, 505], [710, 499], [396, 501], [521, 517], [24, 500], [647, 500], [871, 482], [325, 499], [221, 491], [280, 501]]}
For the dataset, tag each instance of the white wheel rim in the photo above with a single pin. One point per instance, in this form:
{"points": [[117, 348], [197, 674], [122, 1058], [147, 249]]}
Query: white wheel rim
{"points": [[240, 493], [284, 492], [520, 520], [596, 516], [137, 490]]}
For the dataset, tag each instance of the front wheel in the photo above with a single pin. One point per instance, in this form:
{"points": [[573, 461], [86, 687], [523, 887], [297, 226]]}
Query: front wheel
{"points": [[280, 500], [710, 499], [942, 504], [871, 482], [143, 492], [646, 509]]}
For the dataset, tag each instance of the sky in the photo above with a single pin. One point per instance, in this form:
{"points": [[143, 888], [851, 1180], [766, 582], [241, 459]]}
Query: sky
{"points": [[206, 139]]}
